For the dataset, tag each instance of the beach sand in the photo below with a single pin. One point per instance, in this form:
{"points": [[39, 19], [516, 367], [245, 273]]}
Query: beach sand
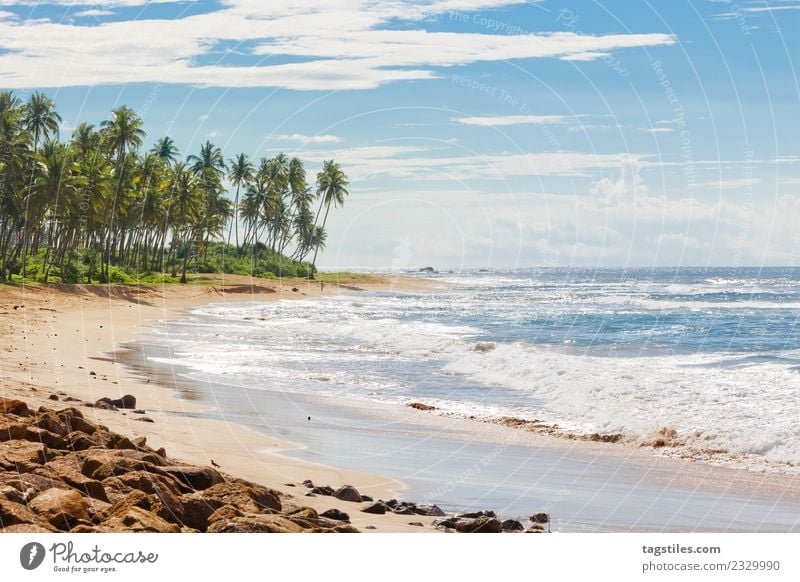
{"points": [[62, 339], [58, 339]]}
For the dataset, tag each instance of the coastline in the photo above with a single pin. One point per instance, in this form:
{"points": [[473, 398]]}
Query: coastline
{"points": [[51, 357], [60, 340]]}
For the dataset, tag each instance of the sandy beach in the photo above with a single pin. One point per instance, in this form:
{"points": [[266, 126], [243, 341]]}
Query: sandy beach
{"points": [[57, 340], [61, 340]]}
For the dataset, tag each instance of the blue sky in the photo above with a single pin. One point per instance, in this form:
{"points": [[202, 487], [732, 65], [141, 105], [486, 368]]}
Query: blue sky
{"points": [[477, 133]]}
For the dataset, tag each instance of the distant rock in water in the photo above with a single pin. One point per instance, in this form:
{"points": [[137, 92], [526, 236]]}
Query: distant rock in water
{"points": [[421, 406], [427, 270], [484, 347]]}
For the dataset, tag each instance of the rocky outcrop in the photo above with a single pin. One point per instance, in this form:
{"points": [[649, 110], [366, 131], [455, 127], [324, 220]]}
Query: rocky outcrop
{"points": [[60, 471]]}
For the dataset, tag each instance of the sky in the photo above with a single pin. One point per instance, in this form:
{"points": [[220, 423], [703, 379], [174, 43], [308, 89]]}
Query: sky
{"points": [[475, 133]]}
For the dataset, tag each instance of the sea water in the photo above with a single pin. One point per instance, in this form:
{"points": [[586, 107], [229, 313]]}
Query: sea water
{"points": [[713, 354]]}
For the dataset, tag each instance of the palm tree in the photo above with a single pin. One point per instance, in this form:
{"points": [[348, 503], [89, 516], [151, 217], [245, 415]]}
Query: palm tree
{"points": [[240, 173], [122, 133], [165, 150], [210, 158], [42, 121], [331, 189]]}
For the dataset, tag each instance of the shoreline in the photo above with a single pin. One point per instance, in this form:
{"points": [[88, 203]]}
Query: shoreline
{"points": [[106, 322], [60, 340]]}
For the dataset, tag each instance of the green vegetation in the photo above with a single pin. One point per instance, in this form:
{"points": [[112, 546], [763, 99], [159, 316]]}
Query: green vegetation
{"points": [[98, 208]]}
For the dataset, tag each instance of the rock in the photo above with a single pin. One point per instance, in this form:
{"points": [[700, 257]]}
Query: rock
{"points": [[144, 419], [378, 508], [475, 514], [53, 397], [66, 472], [540, 518], [447, 523], [427, 270], [12, 513], [366, 498], [138, 411], [40, 435], [15, 495], [226, 512], [336, 514], [61, 508], [25, 528], [308, 483], [51, 422], [324, 490], [512, 525], [23, 456], [416, 523], [78, 441], [481, 524], [136, 519], [198, 478], [484, 347], [15, 407], [422, 406], [74, 421], [309, 494], [105, 404], [255, 524], [536, 528], [128, 402], [429, 510], [248, 497], [404, 510], [348, 493], [11, 430], [370, 527]]}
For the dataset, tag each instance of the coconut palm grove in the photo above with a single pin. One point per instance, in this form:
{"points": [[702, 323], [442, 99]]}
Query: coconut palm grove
{"points": [[99, 208]]}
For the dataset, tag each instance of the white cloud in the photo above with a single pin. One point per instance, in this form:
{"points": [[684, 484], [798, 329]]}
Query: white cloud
{"points": [[93, 12], [345, 44], [513, 120], [410, 162], [327, 138], [732, 184]]}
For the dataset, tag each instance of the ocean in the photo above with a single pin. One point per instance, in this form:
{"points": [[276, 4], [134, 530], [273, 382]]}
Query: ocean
{"points": [[713, 355]]}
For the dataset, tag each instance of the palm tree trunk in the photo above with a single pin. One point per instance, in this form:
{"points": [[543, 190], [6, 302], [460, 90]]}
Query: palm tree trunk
{"points": [[316, 249]]}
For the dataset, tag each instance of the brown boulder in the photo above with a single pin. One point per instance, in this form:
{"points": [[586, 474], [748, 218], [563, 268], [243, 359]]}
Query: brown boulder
{"points": [[377, 508], [25, 528], [61, 508], [22, 456], [248, 497], [481, 524], [41, 435], [79, 441], [226, 512], [11, 406], [12, 430], [66, 469], [255, 524], [348, 493], [136, 519], [49, 421], [198, 478], [14, 513]]}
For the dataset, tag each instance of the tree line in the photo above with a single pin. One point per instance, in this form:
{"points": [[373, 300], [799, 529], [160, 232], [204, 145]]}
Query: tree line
{"points": [[98, 202]]}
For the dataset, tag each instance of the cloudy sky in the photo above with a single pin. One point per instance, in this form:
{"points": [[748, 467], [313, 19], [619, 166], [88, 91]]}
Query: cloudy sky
{"points": [[476, 133]]}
